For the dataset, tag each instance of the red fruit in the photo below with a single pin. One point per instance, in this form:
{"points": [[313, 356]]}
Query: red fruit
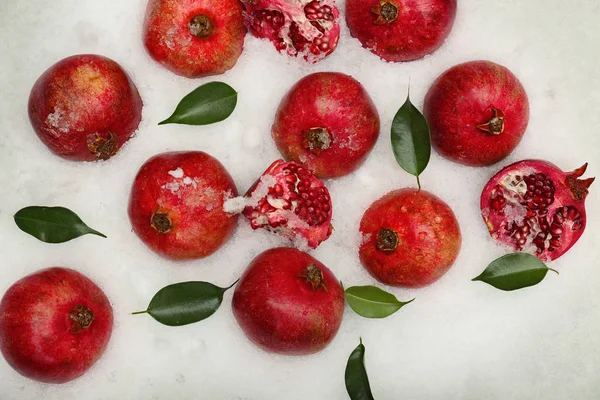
{"points": [[533, 206], [84, 108], [194, 38], [305, 27], [400, 30], [288, 302], [289, 200], [328, 122], [410, 238], [477, 113], [54, 325], [176, 204]]}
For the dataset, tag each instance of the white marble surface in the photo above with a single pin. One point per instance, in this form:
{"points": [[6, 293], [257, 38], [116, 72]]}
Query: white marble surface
{"points": [[458, 340]]}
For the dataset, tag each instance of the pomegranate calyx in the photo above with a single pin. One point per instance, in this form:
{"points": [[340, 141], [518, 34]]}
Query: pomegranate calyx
{"points": [[316, 140], [495, 125], [386, 12], [579, 187], [82, 318], [101, 147], [200, 26], [387, 240], [161, 222], [314, 276]]}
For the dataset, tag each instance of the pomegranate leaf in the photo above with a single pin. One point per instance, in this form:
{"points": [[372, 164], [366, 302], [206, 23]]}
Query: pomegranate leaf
{"points": [[209, 103], [372, 302], [410, 139], [514, 271], [52, 224], [357, 380], [185, 303]]}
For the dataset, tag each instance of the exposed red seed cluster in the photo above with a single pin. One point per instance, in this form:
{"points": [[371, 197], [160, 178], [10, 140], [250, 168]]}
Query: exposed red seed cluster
{"points": [[314, 11], [273, 18]]}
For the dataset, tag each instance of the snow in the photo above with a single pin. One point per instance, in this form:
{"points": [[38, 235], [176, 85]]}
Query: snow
{"points": [[458, 340]]}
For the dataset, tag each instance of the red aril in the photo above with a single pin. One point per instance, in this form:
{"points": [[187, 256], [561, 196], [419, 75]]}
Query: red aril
{"points": [[288, 302], [299, 27], [289, 200], [533, 206], [328, 122]]}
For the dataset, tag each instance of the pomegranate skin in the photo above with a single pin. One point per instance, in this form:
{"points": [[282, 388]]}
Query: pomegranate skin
{"points": [[416, 29], [84, 108], [39, 338], [427, 238], [328, 122], [464, 100], [535, 207], [194, 38], [280, 310], [176, 205]]}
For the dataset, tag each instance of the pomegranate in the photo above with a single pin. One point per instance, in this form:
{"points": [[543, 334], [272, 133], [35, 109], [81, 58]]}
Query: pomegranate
{"points": [[410, 238], [84, 108], [336, 128], [176, 204], [300, 27], [288, 302], [477, 113], [533, 206], [289, 200], [54, 325], [194, 38], [400, 30]]}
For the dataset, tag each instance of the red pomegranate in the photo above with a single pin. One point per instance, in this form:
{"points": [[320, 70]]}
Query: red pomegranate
{"points": [[410, 238], [54, 325], [401, 30], [299, 27], [533, 206], [477, 113], [328, 122], [176, 204], [290, 201], [288, 302], [194, 38], [84, 108]]}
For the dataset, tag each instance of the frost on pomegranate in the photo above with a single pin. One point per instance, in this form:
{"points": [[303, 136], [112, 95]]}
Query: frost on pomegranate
{"points": [[535, 207], [298, 27], [289, 200]]}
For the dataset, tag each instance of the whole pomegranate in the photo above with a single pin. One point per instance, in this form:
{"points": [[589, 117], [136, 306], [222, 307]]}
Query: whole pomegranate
{"points": [[400, 30], [288, 302], [533, 206], [54, 325], [410, 238], [477, 113], [176, 204], [84, 108], [299, 27], [328, 122], [289, 200], [194, 38]]}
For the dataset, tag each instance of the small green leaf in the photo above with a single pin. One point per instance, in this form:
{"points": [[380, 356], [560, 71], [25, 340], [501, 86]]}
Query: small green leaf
{"points": [[372, 302], [209, 103], [514, 271], [52, 224], [185, 303], [357, 380], [410, 139]]}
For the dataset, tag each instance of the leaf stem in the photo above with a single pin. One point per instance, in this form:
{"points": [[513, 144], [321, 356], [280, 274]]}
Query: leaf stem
{"points": [[139, 312], [418, 182], [553, 270], [232, 285]]}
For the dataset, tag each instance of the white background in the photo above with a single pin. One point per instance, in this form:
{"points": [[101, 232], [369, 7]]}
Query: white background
{"points": [[458, 340]]}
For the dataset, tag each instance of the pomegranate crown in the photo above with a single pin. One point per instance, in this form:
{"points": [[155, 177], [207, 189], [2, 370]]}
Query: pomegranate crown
{"points": [[579, 187]]}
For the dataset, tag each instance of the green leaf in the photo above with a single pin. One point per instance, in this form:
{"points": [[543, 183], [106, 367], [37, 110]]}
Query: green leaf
{"points": [[185, 303], [410, 139], [372, 302], [209, 103], [514, 271], [357, 380], [52, 224]]}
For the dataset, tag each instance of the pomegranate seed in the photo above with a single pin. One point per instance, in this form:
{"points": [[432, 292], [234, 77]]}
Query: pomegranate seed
{"points": [[577, 225]]}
